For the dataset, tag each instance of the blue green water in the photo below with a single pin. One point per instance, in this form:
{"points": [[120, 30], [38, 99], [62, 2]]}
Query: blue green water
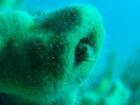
{"points": [[116, 78], [122, 39], [121, 21]]}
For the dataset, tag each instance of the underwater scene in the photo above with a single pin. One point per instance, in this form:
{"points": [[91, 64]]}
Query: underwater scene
{"points": [[69, 52]]}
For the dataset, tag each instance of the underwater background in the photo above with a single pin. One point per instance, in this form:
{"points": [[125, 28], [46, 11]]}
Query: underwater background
{"points": [[116, 79], [121, 20], [118, 69]]}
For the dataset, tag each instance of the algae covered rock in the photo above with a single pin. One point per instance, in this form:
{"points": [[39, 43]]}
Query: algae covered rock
{"points": [[44, 59]]}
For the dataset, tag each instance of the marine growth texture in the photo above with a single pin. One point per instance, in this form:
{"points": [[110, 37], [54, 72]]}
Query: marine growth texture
{"points": [[45, 58]]}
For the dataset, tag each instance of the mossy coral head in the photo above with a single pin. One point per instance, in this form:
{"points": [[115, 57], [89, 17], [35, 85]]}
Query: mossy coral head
{"points": [[52, 55]]}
